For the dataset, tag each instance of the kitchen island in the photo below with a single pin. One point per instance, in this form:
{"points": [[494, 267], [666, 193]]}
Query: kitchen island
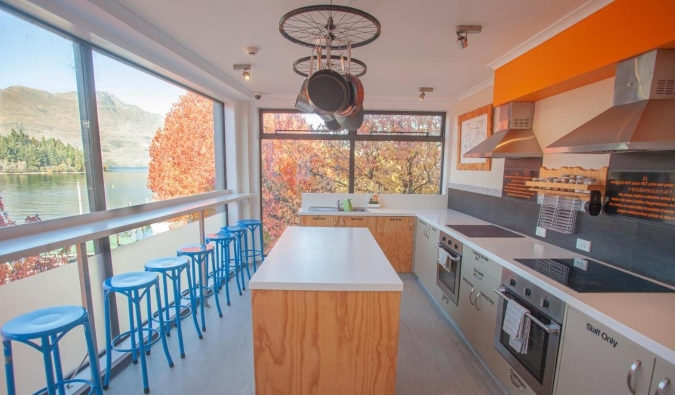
{"points": [[325, 308]]}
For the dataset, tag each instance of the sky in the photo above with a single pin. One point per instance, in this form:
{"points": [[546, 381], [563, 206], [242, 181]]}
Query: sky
{"points": [[34, 57]]}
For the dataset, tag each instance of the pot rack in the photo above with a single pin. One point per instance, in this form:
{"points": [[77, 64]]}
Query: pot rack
{"points": [[357, 67], [340, 26]]}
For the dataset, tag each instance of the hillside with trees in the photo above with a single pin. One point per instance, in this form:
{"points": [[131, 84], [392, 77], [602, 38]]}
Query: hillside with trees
{"points": [[20, 153]]}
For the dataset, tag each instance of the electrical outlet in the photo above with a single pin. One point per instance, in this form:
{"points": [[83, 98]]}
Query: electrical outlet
{"points": [[584, 245], [541, 232]]}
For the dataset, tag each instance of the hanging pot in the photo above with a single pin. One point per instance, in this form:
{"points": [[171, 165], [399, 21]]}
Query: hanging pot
{"points": [[302, 102], [330, 122], [328, 91], [357, 94], [352, 121]]}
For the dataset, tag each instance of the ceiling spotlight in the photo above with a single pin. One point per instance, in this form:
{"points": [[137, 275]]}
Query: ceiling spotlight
{"points": [[246, 68], [462, 33], [423, 92]]}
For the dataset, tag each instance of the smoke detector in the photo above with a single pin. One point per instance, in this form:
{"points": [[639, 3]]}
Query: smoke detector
{"points": [[251, 50]]}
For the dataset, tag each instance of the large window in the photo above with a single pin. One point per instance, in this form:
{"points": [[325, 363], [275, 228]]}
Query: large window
{"points": [[392, 152], [157, 139]]}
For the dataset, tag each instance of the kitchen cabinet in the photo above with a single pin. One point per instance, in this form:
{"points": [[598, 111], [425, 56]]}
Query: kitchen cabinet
{"points": [[509, 378], [395, 237], [358, 222], [426, 238], [323, 221], [476, 313], [594, 359], [663, 378]]}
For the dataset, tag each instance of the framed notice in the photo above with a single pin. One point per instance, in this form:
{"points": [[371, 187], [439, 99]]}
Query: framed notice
{"points": [[648, 196], [473, 127]]}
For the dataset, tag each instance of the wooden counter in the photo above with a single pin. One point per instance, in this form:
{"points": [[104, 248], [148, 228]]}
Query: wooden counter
{"points": [[325, 309]]}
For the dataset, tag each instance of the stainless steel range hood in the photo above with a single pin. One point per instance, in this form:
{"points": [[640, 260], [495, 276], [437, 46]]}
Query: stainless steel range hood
{"points": [[643, 115], [513, 137]]}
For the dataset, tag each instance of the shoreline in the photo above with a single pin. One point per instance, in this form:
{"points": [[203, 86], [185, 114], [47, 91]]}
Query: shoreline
{"points": [[44, 172]]}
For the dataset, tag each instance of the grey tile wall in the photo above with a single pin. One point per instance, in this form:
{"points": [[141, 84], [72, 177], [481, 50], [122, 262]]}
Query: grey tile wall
{"points": [[637, 246]]}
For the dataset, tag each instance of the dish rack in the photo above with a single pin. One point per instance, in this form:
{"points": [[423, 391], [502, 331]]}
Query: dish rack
{"points": [[559, 213], [553, 270]]}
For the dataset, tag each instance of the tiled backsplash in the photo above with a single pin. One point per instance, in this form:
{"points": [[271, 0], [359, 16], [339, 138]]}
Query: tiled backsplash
{"points": [[644, 248]]}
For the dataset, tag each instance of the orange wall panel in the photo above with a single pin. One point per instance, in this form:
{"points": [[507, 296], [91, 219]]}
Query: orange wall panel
{"points": [[587, 51]]}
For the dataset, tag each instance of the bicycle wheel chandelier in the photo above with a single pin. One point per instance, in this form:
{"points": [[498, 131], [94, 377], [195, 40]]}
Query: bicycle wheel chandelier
{"points": [[331, 90]]}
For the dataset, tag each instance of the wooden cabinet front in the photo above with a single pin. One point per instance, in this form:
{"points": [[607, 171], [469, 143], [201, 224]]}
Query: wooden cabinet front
{"points": [[359, 222], [322, 221], [595, 359], [395, 237]]}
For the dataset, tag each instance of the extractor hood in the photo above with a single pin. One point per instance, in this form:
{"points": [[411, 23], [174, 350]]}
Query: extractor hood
{"points": [[513, 137], [643, 115]]}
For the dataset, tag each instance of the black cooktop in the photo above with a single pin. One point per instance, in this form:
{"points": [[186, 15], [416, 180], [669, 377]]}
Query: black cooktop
{"points": [[483, 231], [591, 276]]}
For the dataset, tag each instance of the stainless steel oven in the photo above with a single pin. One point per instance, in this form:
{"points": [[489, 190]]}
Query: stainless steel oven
{"points": [[448, 266], [537, 365]]}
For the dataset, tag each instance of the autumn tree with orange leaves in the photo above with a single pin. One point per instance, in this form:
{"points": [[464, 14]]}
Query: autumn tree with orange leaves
{"points": [[182, 156], [292, 167]]}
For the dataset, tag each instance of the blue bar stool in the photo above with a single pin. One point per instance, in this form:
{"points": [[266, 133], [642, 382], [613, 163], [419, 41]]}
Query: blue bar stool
{"points": [[50, 325], [252, 253], [200, 255], [171, 268], [240, 248], [221, 273], [135, 286]]}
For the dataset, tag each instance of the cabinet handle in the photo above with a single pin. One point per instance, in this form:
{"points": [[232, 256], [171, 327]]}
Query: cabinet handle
{"points": [[516, 382], [662, 386], [471, 293], [631, 372], [476, 301]]}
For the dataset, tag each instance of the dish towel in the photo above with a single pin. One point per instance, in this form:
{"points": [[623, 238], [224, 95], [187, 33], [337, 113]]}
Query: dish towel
{"points": [[443, 258], [517, 326]]}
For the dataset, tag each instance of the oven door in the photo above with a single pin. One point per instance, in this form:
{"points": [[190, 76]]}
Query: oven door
{"points": [[447, 273], [537, 366]]}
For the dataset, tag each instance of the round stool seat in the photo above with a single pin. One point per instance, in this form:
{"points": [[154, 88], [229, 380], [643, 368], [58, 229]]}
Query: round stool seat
{"points": [[166, 263], [192, 249], [220, 236], [129, 281], [234, 229], [248, 222], [43, 322]]}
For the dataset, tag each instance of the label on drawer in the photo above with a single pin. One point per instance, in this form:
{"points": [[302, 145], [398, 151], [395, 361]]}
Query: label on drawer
{"points": [[486, 266]]}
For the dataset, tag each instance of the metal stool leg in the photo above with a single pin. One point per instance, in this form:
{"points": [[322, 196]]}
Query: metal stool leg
{"points": [[161, 325], [108, 341], [215, 288], [175, 276], [49, 368], [93, 358], [9, 367], [193, 304], [53, 343], [141, 342]]}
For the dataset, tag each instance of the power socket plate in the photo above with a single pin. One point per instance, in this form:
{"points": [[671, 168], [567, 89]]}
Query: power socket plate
{"points": [[584, 245], [541, 232]]}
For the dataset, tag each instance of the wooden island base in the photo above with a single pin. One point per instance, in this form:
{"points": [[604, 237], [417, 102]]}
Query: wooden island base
{"points": [[325, 342]]}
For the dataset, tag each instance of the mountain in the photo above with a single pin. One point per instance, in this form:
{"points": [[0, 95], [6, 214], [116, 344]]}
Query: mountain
{"points": [[126, 130]]}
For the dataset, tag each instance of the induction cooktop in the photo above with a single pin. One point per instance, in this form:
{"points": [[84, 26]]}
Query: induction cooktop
{"points": [[483, 231], [587, 276]]}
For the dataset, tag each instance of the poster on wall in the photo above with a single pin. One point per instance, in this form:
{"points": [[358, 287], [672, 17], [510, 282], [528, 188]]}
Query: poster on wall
{"points": [[473, 128], [648, 196]]}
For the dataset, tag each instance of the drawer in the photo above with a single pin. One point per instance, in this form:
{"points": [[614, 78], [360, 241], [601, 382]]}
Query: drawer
{"points": [[483, 264], [508, 377]]}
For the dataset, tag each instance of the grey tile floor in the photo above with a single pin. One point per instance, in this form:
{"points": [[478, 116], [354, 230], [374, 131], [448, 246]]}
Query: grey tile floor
{"points": [[433, 359]]}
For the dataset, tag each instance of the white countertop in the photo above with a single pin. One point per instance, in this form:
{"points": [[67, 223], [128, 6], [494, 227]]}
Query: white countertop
{"points": [[648, 319], [326, 259]]}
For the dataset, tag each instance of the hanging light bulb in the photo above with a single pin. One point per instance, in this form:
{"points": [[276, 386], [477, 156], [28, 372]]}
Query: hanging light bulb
{"points": [[422, 96], [247, 75], [423, 92]]}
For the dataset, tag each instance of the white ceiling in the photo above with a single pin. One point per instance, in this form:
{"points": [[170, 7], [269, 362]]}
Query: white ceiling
{"points": [[417, 46]]}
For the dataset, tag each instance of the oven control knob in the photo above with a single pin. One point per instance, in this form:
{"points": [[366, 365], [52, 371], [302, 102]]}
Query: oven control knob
{"points": [[443, 238], [527, 292], [544, 303], [512, 282], [456, 246]]}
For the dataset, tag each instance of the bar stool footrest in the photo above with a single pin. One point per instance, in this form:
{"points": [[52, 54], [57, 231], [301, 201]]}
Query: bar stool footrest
{"points": [[154, 332]]}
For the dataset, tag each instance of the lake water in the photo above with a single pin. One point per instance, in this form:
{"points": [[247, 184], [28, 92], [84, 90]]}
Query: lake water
{"points": [[56, 195]]}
